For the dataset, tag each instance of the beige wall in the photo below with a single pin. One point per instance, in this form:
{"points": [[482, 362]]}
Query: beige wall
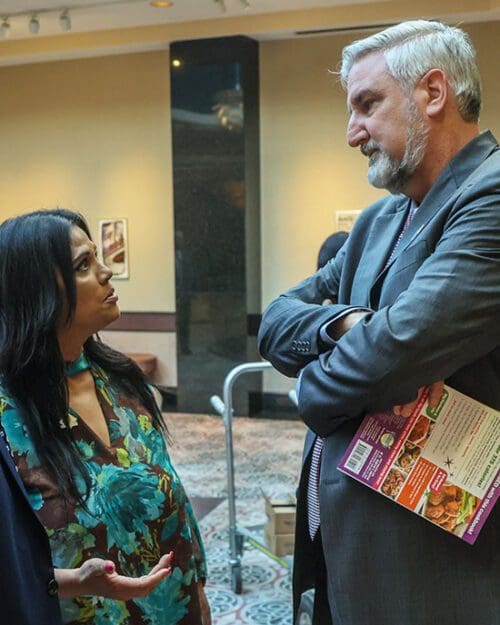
{"points": [[307, 173], [94, 135]]}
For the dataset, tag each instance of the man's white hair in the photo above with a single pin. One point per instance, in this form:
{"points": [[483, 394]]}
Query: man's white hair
{"points": [[412, 48]]}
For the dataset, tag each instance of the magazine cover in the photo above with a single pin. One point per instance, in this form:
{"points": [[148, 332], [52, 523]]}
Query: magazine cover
{"points": [[442, 464]]}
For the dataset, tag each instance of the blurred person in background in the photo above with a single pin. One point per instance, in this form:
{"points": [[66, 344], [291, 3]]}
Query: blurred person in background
{"points": [[330, 247]]}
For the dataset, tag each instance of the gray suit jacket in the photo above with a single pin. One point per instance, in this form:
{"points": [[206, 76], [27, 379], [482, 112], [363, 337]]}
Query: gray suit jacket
{"points": [[435, 316]]}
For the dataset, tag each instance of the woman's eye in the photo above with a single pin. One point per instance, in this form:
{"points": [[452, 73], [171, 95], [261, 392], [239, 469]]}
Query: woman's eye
{"points": [[83, 265]]}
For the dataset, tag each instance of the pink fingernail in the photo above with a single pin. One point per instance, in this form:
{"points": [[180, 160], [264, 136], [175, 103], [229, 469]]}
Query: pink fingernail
{"points": [[109, 567]]}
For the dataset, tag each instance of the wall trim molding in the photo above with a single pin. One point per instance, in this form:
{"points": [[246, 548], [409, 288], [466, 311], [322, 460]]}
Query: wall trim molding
{"points": [[163, 322], [144, 322]]}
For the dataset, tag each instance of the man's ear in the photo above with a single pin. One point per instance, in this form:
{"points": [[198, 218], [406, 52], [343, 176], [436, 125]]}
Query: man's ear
{"points": [[434, 91]]}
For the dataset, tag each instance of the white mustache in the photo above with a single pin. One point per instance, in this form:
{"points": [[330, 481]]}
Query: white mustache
{"points": [[369, 147]]}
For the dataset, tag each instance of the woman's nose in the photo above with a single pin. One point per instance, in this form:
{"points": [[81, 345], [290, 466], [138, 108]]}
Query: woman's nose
{"points": [[105, 273]]}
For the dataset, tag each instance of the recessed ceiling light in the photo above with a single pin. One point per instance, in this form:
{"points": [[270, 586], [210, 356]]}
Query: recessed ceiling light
{"points": [[161, 4]]}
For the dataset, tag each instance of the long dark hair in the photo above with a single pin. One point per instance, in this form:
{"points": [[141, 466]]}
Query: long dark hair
{"points": [[35, 256]]}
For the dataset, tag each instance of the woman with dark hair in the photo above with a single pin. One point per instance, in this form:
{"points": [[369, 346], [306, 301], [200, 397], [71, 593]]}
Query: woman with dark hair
{"points": [[84, 429]]}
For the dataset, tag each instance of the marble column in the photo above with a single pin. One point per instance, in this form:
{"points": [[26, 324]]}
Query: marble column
{"points": [[215, 133]]}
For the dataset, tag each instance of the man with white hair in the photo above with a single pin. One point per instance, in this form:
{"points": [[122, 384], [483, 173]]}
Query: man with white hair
{"points": [[413, 299]]}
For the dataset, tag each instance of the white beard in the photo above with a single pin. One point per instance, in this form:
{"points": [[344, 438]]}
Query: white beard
{"points": [[387, 172]]}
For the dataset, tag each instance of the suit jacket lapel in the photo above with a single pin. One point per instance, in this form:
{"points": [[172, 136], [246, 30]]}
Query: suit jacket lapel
{"points": [[437, 197], [308, 444], [381, 239], [8, 463]]}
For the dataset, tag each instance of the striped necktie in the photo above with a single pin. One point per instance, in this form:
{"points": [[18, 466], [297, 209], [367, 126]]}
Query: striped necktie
{"points": [[313, 513], [313, 488]]}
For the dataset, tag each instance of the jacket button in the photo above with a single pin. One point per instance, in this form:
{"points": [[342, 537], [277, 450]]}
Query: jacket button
{"points": [[52, 587]]}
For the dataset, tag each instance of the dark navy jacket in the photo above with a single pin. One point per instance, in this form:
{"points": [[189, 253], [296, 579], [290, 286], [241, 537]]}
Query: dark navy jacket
{"points": [[28, 592]]}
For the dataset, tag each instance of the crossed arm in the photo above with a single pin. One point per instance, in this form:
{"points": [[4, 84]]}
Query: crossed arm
{"points": [[445, 320], [344, 324]]}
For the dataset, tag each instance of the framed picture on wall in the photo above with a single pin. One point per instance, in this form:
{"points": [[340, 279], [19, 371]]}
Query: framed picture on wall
{"points": [[113, 246], [345, 219]]}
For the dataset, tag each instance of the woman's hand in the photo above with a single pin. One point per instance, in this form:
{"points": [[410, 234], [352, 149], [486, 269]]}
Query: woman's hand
{"points": [[99, 577]]}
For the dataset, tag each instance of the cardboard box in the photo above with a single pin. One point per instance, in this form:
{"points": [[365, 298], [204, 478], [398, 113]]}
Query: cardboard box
{"points": [[281, 519], [279, 497], [281, 512], [279, 544]]}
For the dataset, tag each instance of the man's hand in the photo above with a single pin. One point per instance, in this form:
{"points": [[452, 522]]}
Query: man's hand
{"points": [[435, 392], [99, 577]]}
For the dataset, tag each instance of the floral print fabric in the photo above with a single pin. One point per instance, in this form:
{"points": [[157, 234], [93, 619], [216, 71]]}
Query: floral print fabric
{"points": [[137, 511]]}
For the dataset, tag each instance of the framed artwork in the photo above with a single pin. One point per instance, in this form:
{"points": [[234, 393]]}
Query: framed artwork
{"points": [[113, 246], [345, 219]]}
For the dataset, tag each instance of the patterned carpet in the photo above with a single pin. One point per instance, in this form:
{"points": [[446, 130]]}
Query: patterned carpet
{"points": [[267, 455]]}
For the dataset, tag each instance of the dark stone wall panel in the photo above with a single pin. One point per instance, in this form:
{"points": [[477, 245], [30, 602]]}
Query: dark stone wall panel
{"points": [[215, 135]]}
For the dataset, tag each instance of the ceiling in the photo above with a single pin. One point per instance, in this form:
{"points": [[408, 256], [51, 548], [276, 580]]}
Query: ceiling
{"points": [[95, 15], [102, 27]]}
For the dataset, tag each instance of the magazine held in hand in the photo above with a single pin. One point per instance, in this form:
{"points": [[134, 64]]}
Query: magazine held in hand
{"points": [[442, 463]]}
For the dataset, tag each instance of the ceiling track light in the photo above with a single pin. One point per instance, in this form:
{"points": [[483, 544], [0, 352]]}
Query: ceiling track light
{"points": [[5, 28], [65, 21], [33, 16], [34, 25]]}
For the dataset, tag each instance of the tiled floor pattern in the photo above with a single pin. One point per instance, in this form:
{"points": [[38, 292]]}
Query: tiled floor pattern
{"points": [[266, 455]]}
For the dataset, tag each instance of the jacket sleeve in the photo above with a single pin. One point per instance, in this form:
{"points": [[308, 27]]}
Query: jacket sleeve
{"points": [[289, 334], [446, 319]]}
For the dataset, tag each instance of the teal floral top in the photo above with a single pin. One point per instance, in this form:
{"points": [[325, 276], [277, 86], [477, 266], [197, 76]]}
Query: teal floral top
{"points": [[137, 511]]}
